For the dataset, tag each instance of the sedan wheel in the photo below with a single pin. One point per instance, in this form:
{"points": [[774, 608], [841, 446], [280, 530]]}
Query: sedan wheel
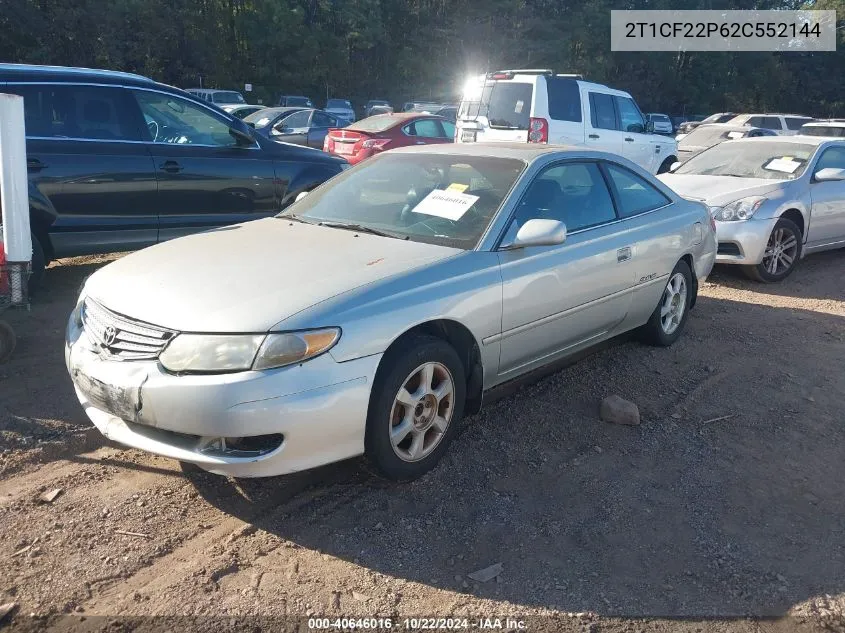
{"points": [[782, 253], [422, 412], [415, 405], [669, 317], [674, 303]]}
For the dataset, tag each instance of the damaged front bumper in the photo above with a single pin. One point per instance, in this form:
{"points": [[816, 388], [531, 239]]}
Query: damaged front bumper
{"points": [[245, 424]]}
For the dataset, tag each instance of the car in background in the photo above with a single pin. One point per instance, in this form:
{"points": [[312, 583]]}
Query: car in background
{"points": [[540, 106], [217, 97], [242, 110], [449, 112], [372, 315], [294, 101], [661, 123], [830, 127], [381, 110], [428, 107], [376, 103], [710, 134], [118, 162], [775, 199], [720, 117], [340, 108], [300, 126], [376, 134], [782, 124]]}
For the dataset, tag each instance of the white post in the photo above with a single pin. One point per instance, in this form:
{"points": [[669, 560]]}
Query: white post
{"points": [[14, 193]]}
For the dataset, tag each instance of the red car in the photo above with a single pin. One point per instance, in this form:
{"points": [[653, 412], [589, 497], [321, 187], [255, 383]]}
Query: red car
{"points": [[386, 131]]}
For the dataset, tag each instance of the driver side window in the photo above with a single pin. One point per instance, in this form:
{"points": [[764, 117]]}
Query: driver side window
{"points": [[173, 120], [572, 193], [630, 115], [295, 121], [832, 157]]}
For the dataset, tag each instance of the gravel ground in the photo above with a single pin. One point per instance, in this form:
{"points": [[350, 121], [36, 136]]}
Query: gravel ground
{"points": [[723, 511]]}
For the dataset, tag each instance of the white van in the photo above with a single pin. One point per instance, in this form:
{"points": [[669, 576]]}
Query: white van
{"points": [[539, 106]]}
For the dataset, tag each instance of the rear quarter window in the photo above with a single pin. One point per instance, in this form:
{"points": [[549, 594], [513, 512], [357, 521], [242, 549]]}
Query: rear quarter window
{"points": [[564, 99]]}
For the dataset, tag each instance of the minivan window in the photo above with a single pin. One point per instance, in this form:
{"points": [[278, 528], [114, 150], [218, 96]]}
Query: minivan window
{"points": [[69, 111], [603, 113], [506, 104], [630, 115], [564, 99]]}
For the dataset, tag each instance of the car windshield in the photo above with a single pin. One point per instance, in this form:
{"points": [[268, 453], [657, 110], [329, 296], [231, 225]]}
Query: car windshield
{"points": [[709, 135], [228, 97], [751, 159], [338, 103], [823, 130], [433, 198], [375, 124], [297, 101], [262, 118]]}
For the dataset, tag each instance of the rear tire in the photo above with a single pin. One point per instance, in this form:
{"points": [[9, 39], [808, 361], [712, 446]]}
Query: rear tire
{"points": [[783, 251], [404, 441], [669, 318]]}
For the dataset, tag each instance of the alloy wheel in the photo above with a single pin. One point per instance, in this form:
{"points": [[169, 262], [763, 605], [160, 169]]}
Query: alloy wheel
{"points": [[674, 303], [781, 252], [422, 411]]}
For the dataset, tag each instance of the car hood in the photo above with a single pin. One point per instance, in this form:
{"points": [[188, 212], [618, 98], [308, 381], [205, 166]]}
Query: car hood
{"points": [[248, 277], [718, 190]]}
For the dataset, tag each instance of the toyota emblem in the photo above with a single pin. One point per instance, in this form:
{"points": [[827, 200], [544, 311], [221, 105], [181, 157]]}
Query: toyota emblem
{"points": [[109, 336]]}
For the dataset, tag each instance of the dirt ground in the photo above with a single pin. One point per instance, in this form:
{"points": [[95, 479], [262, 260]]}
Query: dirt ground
{"points": [[724, 509]]}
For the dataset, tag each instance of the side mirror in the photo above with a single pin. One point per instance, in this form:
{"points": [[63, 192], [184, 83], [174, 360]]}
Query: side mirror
{"points": [[538, 233], [242, 132], [674, 166], [300, 196], [649, 127], [829, 174]]}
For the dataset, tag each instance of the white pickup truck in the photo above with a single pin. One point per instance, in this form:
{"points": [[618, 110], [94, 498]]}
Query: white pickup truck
{"points": [[539, 106]]}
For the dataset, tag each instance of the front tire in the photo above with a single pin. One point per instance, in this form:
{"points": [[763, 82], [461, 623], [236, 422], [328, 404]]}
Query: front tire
{"points": [[669, 318], [415, 407], [783, 251]]}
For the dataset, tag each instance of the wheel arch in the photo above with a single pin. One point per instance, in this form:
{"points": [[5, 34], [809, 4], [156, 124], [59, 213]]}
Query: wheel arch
{"points": [[794, 214], [465, 344], [688, 258]]}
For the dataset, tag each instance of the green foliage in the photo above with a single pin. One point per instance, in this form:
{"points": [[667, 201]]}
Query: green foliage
{"points": [[403, 49]]}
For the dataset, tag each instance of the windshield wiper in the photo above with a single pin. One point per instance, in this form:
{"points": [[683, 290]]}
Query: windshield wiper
{"points": [[295, 218], [349, 226]]}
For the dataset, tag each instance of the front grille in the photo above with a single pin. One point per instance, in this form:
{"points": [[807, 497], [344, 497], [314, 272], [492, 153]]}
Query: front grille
{"points": [[121, 337]]}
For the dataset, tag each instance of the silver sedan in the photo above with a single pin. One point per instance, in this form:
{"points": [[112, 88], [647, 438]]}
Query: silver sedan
{"points": [[774, 199], [373, 314]]}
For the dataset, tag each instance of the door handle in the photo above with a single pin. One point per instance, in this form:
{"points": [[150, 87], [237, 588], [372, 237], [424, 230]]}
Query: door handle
{"points": [[33, 164], [594, 136], [628, 139], [657, 150], [623, 254], [171, 167]]}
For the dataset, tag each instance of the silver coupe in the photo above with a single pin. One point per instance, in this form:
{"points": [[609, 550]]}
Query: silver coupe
{"points": [[371, 315]]}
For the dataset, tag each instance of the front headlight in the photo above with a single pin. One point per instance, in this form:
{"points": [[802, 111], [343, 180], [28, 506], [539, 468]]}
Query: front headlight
{"points": [[742, 209], [231, 353]]}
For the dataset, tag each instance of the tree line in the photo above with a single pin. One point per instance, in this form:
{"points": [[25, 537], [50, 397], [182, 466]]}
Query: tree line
{"points": [[411, 49]]}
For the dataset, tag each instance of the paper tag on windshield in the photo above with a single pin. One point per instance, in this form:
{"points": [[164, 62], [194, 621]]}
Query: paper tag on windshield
{"points": [[785, 165], [519, 105], [446, 204]]}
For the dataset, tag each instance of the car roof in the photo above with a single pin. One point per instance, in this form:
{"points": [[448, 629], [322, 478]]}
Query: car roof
{"points": [[522, 151], [284, 109], [30, 72]]}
